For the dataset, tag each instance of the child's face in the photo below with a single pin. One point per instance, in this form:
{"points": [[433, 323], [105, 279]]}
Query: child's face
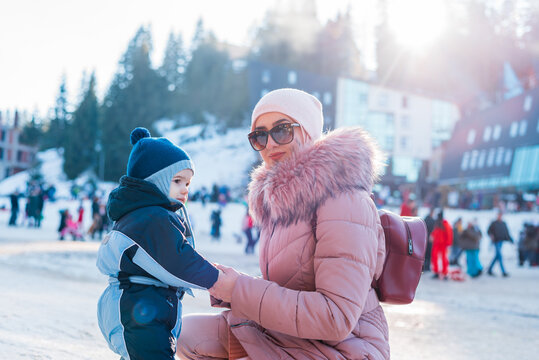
{"points": [[179, 187]]}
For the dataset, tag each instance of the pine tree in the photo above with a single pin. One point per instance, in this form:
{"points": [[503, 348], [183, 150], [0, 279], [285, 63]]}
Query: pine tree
{"points": [[288, 35], [388, 53], [212, 89], [80, 149], [174, 62], [204, 78], [173, 70], [336, 53], [135, 98], [56, 131], [31, 132]]}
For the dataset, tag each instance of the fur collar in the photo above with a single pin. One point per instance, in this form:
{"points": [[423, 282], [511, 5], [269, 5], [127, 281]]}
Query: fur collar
{"points": [[342, 160]]}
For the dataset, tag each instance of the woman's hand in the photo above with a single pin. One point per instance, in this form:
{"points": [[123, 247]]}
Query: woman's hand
{"points": [[222, 289]]}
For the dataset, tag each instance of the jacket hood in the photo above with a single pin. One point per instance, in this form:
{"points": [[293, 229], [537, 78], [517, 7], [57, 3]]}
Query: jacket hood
{"points": [[342, 160], [135, 193]]}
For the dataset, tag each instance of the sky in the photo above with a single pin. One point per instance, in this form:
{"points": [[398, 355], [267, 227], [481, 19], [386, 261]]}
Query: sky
{"points": [[42, 40]]}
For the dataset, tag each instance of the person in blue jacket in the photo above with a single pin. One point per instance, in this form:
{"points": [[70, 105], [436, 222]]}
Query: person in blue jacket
{"points": [[149, 255]]}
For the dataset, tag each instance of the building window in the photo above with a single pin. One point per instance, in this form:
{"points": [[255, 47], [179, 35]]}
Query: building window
{"points": [[491, 155], [513, 130], [487, 133], [471, 137], [389, 142], [404, 142], [1, 153], [327, 98], [405, 122], [404, 102], [499, 156], [3, 133], [497, 132], [363, 98], [523, 127], [292, 77], [508, 157], [465, 160], [537, 127], [389, 120], [473, 159], [528, 103], [482, 158], [266, 76], [382, 100]]}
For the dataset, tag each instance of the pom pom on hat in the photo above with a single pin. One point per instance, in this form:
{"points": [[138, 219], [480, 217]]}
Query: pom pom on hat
{"points": [[304, 108], [138, 134]]}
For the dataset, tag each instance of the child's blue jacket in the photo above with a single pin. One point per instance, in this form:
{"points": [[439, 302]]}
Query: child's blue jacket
{"points": [[149, 239]]}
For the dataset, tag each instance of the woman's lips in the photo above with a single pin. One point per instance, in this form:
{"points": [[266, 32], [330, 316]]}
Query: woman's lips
{"points": [[276, 156]]}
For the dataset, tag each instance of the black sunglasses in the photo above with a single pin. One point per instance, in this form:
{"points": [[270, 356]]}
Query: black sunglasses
{"points": [[282, 134]]}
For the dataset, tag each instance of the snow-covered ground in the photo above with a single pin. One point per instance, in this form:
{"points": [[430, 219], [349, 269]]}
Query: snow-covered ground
{"points": [[50, 288], [50, 291]]}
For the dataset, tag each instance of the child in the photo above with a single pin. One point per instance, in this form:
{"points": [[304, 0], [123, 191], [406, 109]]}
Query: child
{"points": [[149, 255]]}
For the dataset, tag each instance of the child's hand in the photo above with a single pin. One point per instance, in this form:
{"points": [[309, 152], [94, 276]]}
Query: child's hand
{"points": [[222, 289]]}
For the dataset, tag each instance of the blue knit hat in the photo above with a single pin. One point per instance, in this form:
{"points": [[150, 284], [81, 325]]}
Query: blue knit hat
{"points": [[156, 160]]}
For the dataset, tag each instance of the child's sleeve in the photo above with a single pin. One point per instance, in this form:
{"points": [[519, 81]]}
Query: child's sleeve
{"points": [[164, 253]]}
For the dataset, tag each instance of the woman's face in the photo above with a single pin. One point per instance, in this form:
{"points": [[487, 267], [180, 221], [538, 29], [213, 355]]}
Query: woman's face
{"points": [[274, 152]]}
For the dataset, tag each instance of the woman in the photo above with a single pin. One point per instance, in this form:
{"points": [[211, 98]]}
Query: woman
{"points": [[469, 242], [321, 246]]}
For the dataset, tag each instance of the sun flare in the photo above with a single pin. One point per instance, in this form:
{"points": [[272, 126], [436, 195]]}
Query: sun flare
{"points": [[417, 23]]}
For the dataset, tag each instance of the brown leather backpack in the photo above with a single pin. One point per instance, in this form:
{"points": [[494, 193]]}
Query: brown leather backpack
{"points": [[406, 242]]}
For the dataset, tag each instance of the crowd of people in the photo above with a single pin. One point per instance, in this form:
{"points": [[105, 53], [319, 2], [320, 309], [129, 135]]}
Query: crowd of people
{"points": [[36, 195], [71, 222], [446, 244], [75, 227]]}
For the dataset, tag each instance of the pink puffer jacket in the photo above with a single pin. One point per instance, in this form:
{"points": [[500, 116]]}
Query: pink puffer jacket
{"points": [[315, 300]]}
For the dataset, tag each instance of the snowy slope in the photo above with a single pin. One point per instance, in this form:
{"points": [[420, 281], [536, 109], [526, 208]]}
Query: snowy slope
{"points": [[51, 169], [219, 159]]}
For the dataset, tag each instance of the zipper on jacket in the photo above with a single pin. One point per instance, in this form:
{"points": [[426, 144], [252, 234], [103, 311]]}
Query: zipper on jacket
{"points": [[266, 251]]}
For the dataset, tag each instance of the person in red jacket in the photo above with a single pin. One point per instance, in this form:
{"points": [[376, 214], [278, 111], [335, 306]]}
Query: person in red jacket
{"points": [[442, 238], [408, 207]]}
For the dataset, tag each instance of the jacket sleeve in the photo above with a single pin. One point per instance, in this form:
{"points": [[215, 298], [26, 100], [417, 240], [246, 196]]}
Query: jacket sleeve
{"points": [[490, 230], [164, 253], [345, 259]]}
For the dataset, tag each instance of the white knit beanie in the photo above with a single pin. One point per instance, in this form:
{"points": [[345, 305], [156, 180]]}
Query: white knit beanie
{"points": [[304, 108]]}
